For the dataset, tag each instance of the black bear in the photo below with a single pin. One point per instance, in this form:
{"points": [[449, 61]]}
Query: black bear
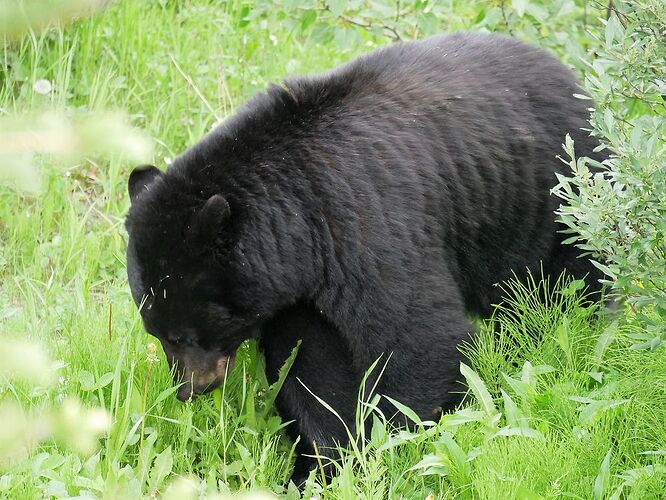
{"points": [[364, 211]]}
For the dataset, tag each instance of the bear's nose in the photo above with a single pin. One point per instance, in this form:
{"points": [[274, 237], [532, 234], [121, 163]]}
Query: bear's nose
{"points": [[187, 390]]}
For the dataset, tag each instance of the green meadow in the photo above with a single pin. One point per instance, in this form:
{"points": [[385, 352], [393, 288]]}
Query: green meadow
{"points": [[578, 411]]}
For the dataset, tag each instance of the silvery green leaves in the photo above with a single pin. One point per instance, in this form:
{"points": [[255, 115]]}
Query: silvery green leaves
{"points": [[615, 211]]}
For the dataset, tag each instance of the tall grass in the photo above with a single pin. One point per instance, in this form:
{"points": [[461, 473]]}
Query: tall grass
{"points": [[560, 405]]}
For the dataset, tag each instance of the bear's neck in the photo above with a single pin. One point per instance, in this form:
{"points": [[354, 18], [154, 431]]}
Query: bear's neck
{"points": [[290, 235], [301, 228]]}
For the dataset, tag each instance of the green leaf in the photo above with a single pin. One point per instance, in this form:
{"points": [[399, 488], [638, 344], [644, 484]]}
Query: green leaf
{"points": [[537, 11], [605, 339], [613, 30], [593, 410], [408, 412], [308, 18], [289, 5], [603, 478], [461, 417], [428, 23], [292, 492], [55, 489], [513, 415], [573, 287], [456, 453], [430, 465], [562, 338], [519, 431], [337, 7], [346, 38], [605, 269], [520, 6], [162, 467], [87, 380], [398, 439], [520, 388], [378, 431], [105, 380], [322, 33], [479, 389], [524, 493], [274, 389]]}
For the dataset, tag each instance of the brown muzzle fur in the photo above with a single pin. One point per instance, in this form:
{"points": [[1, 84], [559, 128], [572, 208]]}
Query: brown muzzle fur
{"points": [[198, 370]]}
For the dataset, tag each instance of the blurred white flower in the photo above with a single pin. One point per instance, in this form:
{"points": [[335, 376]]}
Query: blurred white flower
{"points": [[79, 426], [182, 488], [19, 434], [21, 137], [42, 87], [26, 361]]}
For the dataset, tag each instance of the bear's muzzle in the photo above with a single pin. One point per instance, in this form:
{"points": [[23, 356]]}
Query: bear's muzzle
{"points": [[199, 371]]}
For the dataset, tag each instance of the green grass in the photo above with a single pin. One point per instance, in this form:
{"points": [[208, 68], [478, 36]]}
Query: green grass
{"points": [[551, 410]]}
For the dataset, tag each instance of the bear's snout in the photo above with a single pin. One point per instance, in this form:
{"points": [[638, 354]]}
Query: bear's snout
{"points": [[199, 380], [197, 370]]}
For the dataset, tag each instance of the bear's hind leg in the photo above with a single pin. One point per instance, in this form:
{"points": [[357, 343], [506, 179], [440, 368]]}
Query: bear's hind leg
{"points": [[423, 371]]}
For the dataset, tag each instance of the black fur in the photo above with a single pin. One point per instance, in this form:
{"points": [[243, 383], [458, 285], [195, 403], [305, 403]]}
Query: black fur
{"points": [[364, 211]]}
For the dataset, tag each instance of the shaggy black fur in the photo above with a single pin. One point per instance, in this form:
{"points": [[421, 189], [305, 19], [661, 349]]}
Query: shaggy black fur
{"points": [[364, 211]]}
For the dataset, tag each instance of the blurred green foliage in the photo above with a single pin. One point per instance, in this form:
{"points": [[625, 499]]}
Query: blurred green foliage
{"points": [[55, 132]]}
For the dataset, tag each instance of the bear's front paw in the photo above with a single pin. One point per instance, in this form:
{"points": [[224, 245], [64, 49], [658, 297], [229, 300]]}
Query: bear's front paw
{"points": [[303, 466]]}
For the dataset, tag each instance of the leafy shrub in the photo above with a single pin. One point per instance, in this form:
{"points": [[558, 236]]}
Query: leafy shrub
{"points": [[618, 214], [557, 24]]}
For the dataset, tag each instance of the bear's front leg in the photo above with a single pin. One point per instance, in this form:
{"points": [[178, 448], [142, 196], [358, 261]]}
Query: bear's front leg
{"points": [[323, 365]]}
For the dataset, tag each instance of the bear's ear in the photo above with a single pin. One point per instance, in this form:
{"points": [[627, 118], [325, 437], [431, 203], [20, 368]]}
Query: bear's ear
{"points": [[207, 221], [140, 178]]}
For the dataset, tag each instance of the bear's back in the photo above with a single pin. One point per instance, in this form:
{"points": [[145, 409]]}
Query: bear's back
{"points": [[454, 139], [450, 141], [457, 66]]}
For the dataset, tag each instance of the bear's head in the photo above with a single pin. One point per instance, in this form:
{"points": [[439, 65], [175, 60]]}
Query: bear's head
{"points": [[189, 275]]}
